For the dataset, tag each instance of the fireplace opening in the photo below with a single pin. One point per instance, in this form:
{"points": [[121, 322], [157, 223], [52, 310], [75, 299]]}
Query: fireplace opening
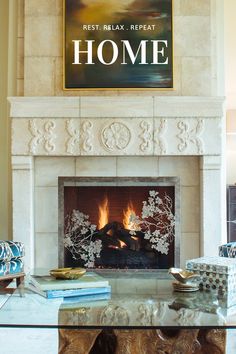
{"points": [[118, 225]]}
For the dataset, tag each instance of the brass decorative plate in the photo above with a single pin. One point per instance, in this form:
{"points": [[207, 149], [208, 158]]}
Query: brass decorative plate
{"points": [[183, 276], [182, 287], [67, 273]]}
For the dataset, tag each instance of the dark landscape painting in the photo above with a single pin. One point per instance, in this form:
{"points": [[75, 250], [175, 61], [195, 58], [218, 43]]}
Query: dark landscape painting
{"points": [[118, 44]]}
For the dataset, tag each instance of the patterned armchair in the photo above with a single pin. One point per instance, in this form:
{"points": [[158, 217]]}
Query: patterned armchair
{"points": [[228, 250], [11, 257]]}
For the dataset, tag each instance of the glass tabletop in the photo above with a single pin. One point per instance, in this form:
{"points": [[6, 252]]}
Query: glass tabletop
{"points": [[143, 300]]}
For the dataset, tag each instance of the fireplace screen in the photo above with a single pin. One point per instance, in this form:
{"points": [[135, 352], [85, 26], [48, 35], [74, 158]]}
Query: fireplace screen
{"points": [[118, 225]]}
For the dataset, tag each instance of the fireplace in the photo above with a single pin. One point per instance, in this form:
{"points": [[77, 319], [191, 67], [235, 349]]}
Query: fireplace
{"points": [[149, 137], [118, 223]]}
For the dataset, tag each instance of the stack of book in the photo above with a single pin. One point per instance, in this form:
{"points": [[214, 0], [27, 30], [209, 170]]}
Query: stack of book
{"points": [[90, 287]]}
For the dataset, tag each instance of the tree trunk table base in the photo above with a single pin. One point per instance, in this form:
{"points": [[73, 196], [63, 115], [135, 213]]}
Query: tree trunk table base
{"points": [[144, 341]]}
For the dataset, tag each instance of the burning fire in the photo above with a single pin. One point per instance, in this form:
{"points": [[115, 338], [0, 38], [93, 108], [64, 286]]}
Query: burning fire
{"points": [[122, 244], [103, 213], [134, 238], [127, 214]]}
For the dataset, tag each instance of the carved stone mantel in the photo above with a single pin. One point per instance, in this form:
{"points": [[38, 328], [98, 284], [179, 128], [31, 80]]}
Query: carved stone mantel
{"points": [[119, 126], [106, 126]]}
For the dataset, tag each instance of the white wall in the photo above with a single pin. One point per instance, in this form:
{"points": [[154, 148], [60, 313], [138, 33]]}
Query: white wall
{"points": [[230, 53], [230, 87], [231, 147]]}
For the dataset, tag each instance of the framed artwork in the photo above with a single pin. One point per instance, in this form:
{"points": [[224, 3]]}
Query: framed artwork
{"points": [[111, 44]]}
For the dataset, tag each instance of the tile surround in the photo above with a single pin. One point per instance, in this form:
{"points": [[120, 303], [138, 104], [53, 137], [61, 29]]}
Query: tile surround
{"points": [[91, 166], [190, 248], [48, 170], [46, 209], [186, 168], [137, 166], [190, 209], [46, 176], [49, 258], [23, 206]]}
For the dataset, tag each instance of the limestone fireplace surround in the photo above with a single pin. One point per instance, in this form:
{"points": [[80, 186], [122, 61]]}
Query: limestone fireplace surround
{"points": [[158, 136]]}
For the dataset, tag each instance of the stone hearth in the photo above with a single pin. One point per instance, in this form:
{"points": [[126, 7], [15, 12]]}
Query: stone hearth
{"points": [[135, 136]]}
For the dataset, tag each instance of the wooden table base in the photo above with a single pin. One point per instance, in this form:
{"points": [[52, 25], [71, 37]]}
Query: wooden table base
{"points": [[119, 341]]}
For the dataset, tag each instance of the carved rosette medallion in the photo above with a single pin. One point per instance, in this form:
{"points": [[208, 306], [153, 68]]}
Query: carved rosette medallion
{"points": [[42, 136], [116, 136]]}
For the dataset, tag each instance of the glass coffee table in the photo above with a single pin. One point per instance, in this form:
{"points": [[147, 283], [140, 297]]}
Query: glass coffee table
{"points": [[144, 315]]}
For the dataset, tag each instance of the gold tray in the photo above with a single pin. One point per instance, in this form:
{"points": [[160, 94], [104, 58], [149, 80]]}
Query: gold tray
{"points": [[67, 273]]}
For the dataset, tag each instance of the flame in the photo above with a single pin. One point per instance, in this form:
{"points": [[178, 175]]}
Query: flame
{"points": [[103, 213], [127, 213], [134, 238], [122, 244], [114, 247]]}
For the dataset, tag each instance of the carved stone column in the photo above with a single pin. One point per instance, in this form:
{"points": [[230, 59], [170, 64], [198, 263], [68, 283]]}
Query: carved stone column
{"points": [[213, 228], [22, 185]]}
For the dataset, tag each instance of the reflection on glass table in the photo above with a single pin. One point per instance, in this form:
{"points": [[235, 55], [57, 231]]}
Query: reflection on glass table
{"points": [[136, 301], [141, 309]]}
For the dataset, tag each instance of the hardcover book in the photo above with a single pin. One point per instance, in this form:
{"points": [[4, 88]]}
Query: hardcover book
{"points": [[88, 280], [53, 294], [87, 298]]}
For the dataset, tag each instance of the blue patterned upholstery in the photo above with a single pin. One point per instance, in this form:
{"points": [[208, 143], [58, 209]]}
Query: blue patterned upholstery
{"points": [[11, 250], [11, 267], [11, 257], [228, 250]]}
